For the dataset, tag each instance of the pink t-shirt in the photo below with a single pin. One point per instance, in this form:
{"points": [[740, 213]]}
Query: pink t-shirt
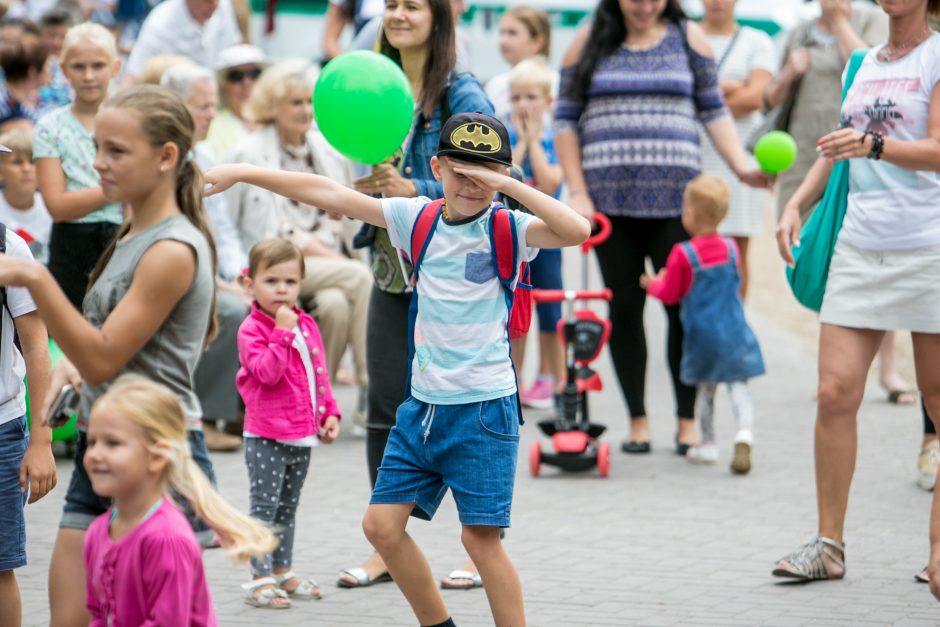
{"points": [[676, 283], [152, 576]]}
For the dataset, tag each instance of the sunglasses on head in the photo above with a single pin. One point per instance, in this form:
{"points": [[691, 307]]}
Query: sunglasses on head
{"points": [[237, 76]]}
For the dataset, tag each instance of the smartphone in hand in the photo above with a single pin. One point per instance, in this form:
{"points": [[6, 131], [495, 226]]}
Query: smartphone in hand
{"points": [[64, 405]]}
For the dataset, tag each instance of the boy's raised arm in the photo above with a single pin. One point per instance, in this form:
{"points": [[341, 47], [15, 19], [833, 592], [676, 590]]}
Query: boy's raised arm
{"points": [[559, 225], [310, 189]]}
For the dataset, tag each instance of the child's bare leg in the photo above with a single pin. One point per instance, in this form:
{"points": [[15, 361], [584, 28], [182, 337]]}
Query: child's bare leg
{"points": [[384, 526], [67, 580], [500, 580], [10, 603]]}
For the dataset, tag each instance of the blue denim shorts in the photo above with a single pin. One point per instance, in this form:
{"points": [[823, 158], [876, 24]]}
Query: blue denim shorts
{"points": [[469, 448], [82, 505], [14, 438]]}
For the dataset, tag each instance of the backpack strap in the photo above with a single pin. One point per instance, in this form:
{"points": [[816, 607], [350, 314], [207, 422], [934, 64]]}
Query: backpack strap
{"points": [[424, 227], [504, 243]]}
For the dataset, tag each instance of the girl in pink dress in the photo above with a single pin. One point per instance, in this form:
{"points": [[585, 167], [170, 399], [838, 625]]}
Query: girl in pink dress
{"points": [[142, 559]]}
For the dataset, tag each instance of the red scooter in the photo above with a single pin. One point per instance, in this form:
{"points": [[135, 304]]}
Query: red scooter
{"points": [[583, 334]]}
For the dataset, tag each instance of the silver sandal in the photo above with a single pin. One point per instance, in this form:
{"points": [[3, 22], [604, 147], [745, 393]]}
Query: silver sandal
{"points": [[807, 563], [306, 590], [265, 598]]}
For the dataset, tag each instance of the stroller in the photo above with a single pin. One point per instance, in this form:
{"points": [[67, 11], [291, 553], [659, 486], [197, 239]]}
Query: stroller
{"points": [[583, 334]]}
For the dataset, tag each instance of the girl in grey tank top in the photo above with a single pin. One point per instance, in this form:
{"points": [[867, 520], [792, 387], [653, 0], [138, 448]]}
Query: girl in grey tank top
{"points": [[151, 304]]}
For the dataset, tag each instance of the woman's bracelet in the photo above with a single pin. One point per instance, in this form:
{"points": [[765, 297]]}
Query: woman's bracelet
{"points": [[877, 144]]}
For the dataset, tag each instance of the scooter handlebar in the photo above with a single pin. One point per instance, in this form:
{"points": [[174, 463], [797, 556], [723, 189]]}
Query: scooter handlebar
{"points": [[557, 296], [602, 223]]}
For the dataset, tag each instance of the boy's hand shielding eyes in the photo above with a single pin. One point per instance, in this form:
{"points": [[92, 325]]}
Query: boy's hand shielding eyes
{"points": [[483, 176]]}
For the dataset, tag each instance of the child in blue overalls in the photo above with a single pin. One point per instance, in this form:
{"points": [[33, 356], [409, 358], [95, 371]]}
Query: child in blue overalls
{"points": [[703, 274]]}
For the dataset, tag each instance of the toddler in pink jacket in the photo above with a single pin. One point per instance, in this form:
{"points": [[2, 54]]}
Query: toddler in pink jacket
{"points": [[289, 409]]}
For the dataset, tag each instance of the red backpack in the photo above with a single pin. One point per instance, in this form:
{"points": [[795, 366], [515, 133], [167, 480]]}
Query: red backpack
{"points": [[505, 249]]}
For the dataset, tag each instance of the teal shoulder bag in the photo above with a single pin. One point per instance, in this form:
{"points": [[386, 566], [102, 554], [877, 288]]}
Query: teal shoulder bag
{"points": [[810, 270]]}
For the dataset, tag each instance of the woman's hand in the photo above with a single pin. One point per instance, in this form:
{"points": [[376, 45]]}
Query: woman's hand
{"points": [[756, 178], [330, 430], [581, 202], [797, 63], [845, 143], [386, 180], [221, 177], [62, 373], [788, 232], [729, 86]]}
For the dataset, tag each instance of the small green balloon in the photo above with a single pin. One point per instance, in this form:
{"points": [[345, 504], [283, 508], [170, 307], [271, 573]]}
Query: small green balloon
{"points": [[775, 152], [364, 106]]}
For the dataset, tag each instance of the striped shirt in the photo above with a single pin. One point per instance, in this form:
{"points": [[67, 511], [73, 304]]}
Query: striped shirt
{"points": [[638, 125], [461, 344]]}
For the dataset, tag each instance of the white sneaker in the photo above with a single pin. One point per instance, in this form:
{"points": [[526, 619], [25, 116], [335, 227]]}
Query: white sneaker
{"points": [[927, 464], [704, 453]]}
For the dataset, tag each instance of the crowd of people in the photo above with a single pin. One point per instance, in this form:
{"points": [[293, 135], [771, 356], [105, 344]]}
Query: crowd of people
{"points": [[211, 267]]}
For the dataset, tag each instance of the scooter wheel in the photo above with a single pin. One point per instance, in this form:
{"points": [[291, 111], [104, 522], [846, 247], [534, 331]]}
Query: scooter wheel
{"points": [[535, 459], [603, 460]]}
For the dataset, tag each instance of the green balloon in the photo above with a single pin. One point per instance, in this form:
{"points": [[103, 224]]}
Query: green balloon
{"points": [[775, 152], [70, 429], [364, 105]]}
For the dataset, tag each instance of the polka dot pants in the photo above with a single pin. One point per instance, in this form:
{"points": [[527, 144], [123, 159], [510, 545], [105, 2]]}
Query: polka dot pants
{"points": [[276, 473]]}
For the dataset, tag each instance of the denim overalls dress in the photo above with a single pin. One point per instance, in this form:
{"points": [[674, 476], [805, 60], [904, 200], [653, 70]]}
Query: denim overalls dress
{"points": [[718, 345]]}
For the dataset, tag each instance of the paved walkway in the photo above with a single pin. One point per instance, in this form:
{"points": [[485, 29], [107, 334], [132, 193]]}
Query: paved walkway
{"points": [[659, 542]]}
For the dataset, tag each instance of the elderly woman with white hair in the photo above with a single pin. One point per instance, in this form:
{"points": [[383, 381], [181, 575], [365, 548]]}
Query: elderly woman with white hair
{"points": [[336, 287], [214, 380]]}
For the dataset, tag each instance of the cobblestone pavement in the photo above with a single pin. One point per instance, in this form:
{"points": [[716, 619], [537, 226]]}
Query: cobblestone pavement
{"points": [[659, 542]]}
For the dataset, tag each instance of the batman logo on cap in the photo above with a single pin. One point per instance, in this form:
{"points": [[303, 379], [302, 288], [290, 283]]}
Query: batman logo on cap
{"points": [[476, 137]]}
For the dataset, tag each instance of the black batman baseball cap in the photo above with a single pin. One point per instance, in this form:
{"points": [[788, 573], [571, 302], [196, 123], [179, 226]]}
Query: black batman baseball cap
{"points": [[475, 137]]}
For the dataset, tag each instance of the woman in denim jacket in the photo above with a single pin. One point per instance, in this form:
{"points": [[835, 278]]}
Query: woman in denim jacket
{"points": [[419, 36]]}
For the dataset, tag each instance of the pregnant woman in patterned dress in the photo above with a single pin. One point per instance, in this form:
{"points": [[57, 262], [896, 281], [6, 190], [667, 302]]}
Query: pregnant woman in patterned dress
{"points": [[627, 138]]}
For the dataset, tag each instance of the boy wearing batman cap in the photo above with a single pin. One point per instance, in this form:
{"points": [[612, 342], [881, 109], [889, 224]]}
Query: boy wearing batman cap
{"points": [[459, 426]]}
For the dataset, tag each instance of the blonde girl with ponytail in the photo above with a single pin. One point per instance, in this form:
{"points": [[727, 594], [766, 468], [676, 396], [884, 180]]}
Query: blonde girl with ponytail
{"points": [[142, 559], [150, 304]]}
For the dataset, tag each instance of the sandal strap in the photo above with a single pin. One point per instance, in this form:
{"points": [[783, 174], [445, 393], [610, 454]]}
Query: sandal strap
{"points": [[257, 583], [808, 562], [280, 578], [829, 542]]}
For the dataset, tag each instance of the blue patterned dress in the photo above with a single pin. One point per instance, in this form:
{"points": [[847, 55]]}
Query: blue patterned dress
{"points": [[638, 127]]}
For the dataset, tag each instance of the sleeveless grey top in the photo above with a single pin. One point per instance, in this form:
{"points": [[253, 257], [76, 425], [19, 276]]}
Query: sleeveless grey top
{"points": [[170, 356]]}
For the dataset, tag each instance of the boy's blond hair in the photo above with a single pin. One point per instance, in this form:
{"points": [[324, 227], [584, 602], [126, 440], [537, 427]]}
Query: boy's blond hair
{"points": [[708, 194], [19, 142], [533, 72], [97, 34]]}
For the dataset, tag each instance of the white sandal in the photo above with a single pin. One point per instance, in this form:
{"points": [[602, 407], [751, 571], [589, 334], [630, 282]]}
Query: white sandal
{"points": [[306, 590], [264, 599]]}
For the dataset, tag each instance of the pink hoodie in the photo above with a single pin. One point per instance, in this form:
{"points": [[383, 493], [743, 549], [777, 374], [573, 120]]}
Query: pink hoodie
{"points": [[273, 381]]}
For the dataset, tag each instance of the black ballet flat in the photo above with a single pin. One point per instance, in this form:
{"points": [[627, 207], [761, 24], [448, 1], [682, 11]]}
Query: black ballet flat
{"points": [[634, 448], [682, 448]]}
